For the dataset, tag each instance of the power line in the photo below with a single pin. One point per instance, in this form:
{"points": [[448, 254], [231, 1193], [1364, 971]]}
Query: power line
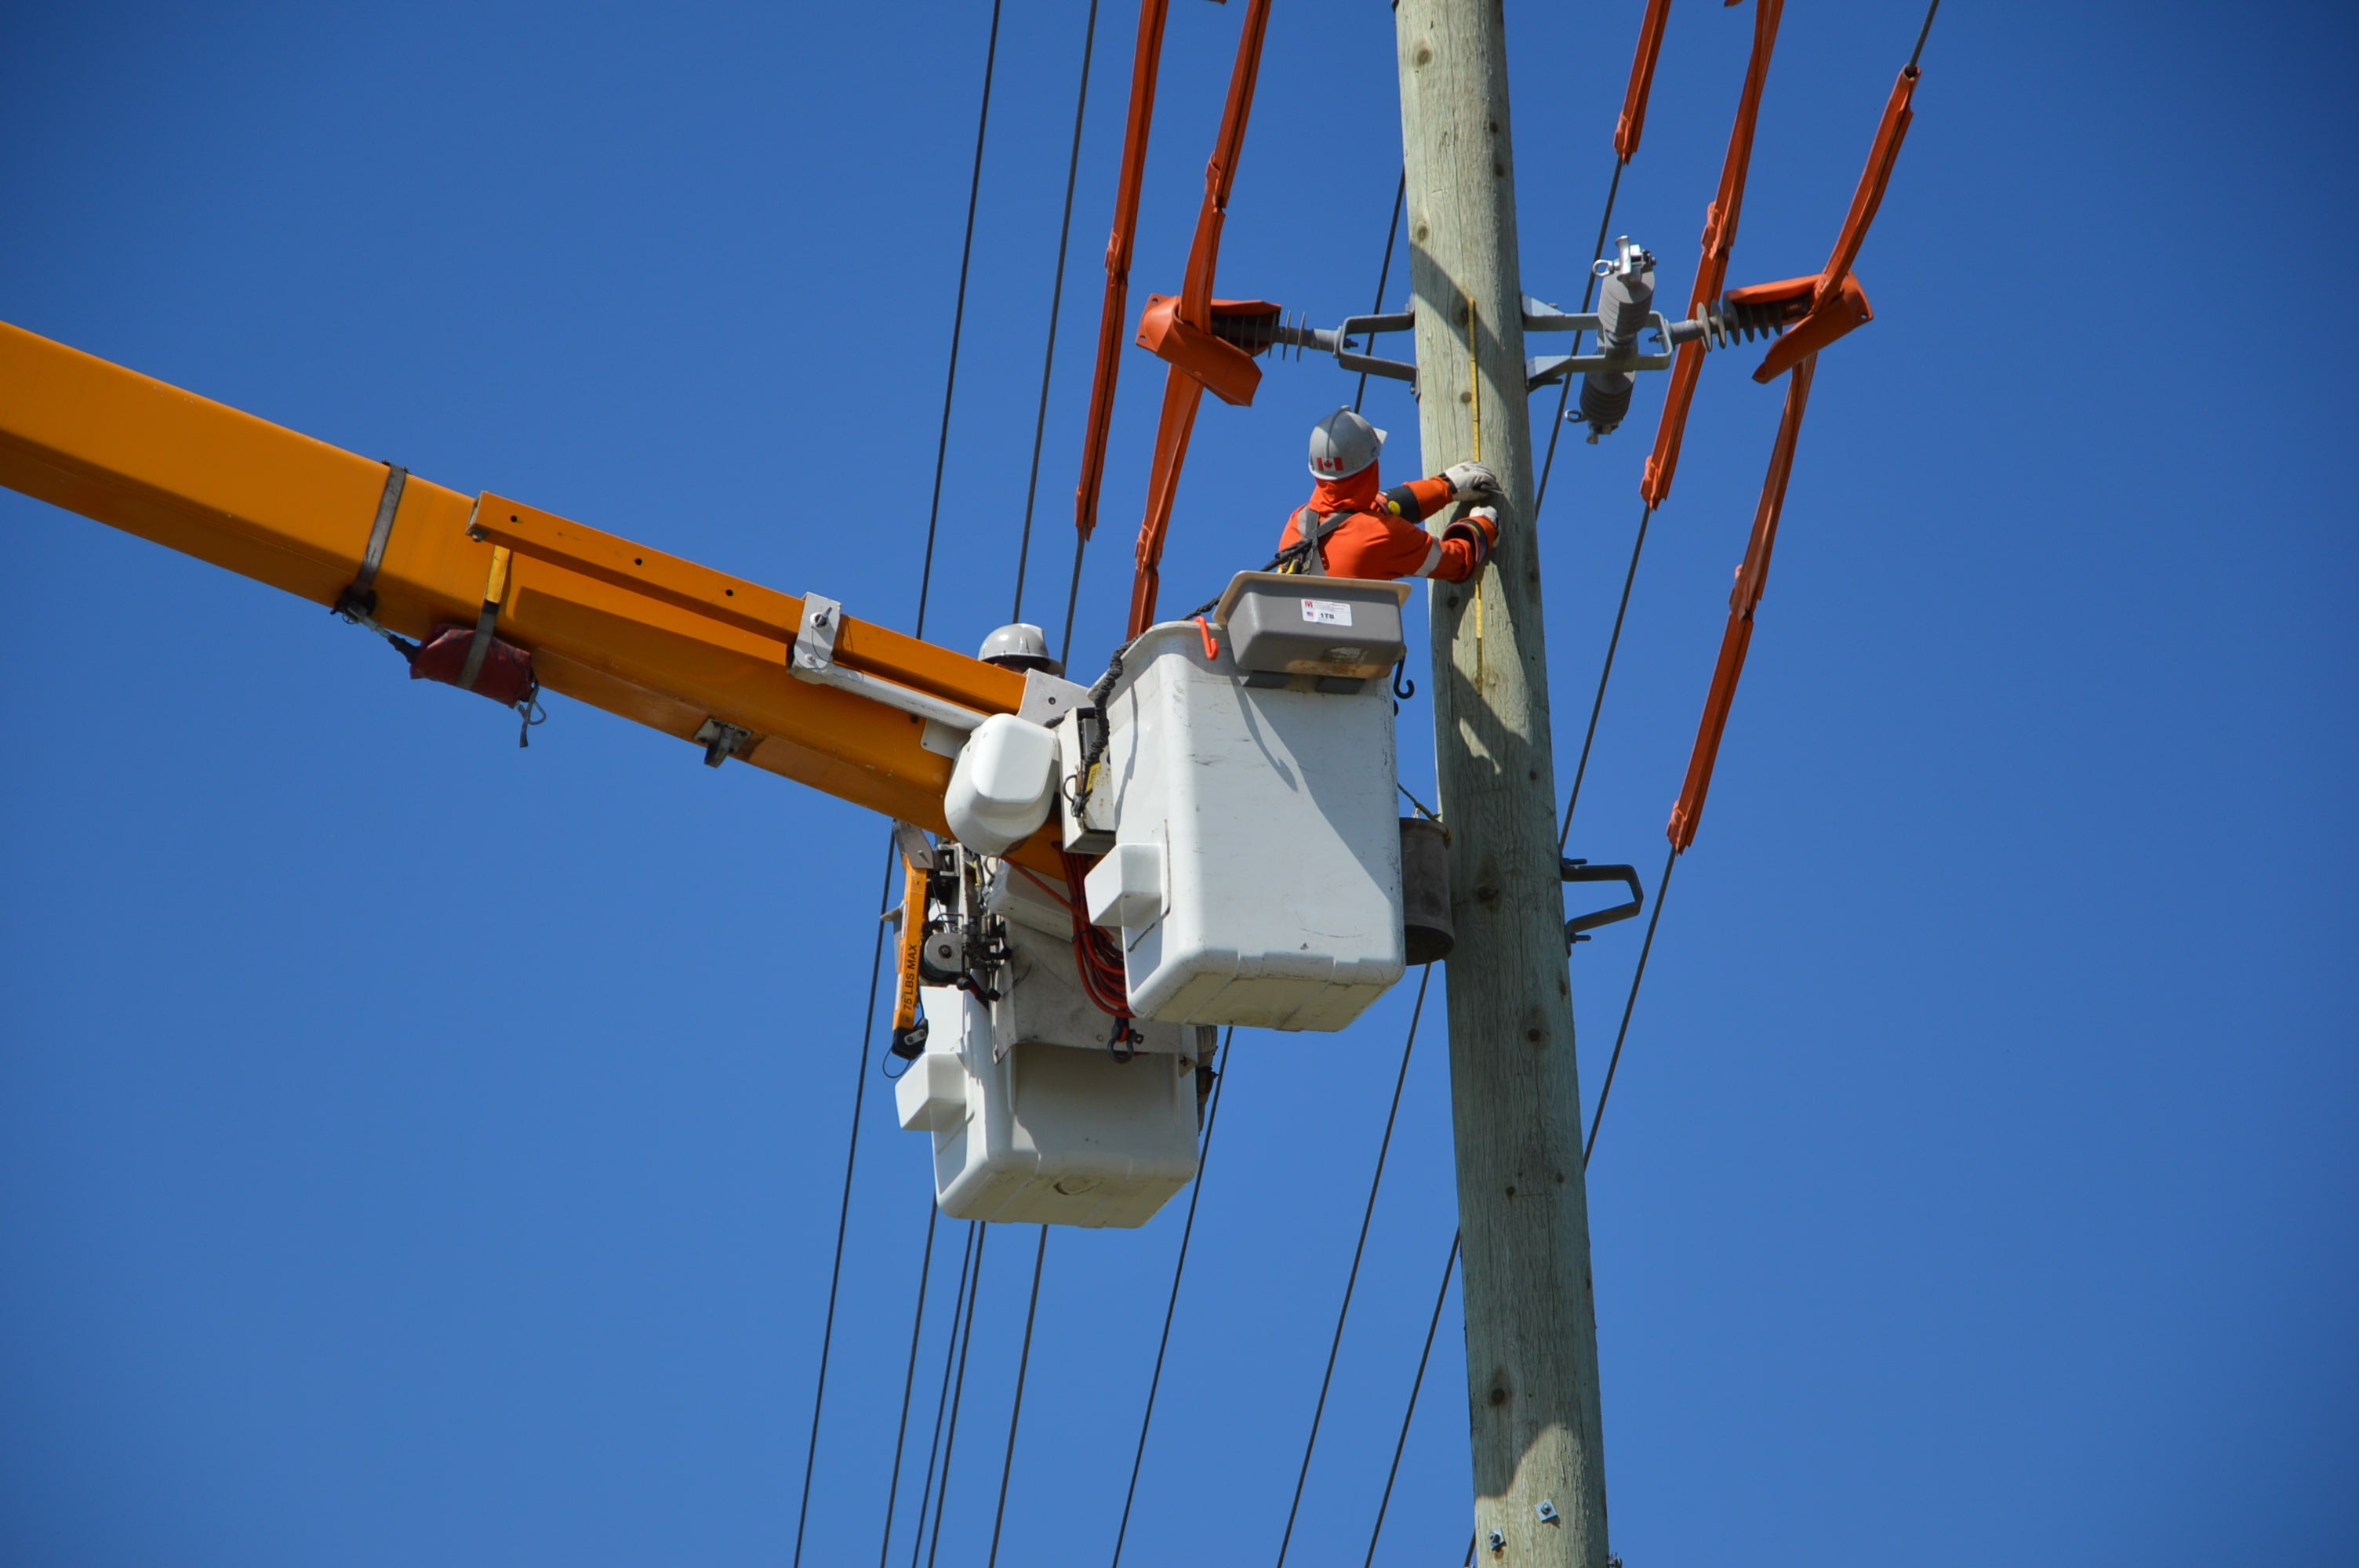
{"points": [[876, 956], [1056, 299], [1383, 276], [1178, 1272], [958, 317], [1662, 891], [1072, 598], [958, 1390], [1352, 1279], [943, 1395], [1604, 674], [909, 1378], [1015, 1411], [1923, 33], [1663, 886], [842, 1220], [1441, 1299]]}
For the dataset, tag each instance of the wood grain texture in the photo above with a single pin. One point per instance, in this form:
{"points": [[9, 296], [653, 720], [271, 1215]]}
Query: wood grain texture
{"points": [[1531, 1325]]}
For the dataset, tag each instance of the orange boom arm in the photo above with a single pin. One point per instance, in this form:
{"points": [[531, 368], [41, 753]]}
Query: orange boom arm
{"points": [[646, 635]]}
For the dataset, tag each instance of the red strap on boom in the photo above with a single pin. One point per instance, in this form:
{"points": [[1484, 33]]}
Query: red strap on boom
{"points": [[1751, 579], [1182, 392], [1144, 65], [1718, 238]]}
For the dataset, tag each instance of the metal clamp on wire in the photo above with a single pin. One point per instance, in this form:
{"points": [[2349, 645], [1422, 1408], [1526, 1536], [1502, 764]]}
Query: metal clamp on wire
{"points": [[1576, 928]]}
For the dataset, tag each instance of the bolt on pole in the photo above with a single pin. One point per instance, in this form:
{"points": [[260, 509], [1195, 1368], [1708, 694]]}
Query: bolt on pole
{"points": [[1531, 1322]]}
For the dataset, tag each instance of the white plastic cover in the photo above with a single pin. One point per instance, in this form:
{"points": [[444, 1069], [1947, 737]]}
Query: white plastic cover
{"points": [[1127, 887], [1052, 1134], [1270, 812], [1003, 783]]}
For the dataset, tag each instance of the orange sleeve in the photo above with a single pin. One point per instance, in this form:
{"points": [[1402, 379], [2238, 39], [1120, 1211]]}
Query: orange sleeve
{"points": [[1385, 547], [1457, 562], [1419, 499]]}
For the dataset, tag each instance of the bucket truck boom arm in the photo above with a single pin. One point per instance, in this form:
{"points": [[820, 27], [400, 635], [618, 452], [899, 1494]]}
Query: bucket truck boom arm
{"points": [[654, 638]]}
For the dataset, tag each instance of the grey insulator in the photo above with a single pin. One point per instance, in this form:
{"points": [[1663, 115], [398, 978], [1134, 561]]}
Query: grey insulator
{"points": [[1626, 304], [1729, 322], [1606, 400]]}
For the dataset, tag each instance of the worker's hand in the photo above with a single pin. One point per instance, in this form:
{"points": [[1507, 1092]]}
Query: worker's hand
{"points": [[1480, 528], [1470, 480]]}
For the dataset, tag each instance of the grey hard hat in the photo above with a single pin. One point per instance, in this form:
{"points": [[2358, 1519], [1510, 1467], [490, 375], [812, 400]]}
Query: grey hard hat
{"points": [[1021, 646], [1342, 444]]}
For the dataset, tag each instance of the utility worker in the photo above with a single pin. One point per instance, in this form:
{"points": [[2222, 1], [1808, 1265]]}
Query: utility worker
{"points": [[1354, 530]]}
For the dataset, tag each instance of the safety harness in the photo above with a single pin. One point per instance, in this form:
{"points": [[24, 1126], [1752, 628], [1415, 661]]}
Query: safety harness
{"points": [[1308, 556]]}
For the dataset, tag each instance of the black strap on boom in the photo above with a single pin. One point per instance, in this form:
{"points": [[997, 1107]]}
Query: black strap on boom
{"points": [[357, 603]]}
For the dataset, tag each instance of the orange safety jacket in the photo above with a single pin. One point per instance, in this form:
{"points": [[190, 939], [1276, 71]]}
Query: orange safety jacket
{"points": [[1368, 533]]}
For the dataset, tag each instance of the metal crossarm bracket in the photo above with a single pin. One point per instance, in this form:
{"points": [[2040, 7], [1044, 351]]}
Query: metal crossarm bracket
{"points": [[1542, 369], [1582, 871], [1368, 326]]}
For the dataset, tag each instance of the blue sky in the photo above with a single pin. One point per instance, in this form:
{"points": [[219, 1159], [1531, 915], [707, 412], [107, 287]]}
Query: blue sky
{"points": [[412, 1148]]}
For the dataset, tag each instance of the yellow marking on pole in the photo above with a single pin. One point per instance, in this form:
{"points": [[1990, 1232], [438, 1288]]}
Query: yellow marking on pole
{"points": [[1474, 395]]}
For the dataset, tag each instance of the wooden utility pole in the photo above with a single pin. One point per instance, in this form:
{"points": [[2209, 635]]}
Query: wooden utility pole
{"points": [[1531, 1322]]}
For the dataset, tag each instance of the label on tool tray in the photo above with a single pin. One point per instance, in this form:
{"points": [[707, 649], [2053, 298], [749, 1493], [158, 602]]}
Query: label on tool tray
{"points": [[1326, 613]]}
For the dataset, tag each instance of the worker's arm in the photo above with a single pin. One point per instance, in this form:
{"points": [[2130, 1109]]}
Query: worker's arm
{"points": [[1421, 499]]}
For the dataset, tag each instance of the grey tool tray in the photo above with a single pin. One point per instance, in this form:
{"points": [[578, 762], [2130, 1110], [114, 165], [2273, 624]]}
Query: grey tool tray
{"points": [[1279, 624]]}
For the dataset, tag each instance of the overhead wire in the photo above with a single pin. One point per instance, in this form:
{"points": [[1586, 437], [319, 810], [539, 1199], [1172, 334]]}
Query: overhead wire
{"points": [[1352, 1278], [1604, 674], [1172, 1307], [1922, 34], [943, 1394], [1797, 390], [1662, 891], [842, 1222], [1383, 276], [958, 1391], [1015, 1411], [1056, 301], [1441, 1299], [876, 957], [909, 1378], [958, 311]]}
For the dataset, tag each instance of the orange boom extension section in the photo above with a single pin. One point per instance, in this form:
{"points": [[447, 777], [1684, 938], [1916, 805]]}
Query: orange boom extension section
{"points": [[648, 635]]}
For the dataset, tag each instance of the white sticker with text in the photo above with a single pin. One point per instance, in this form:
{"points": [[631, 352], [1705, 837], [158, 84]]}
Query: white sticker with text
{"points": [[1326, 613]]}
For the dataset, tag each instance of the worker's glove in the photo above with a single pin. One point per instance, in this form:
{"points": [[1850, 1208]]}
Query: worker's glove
{"points": [[1470, 480], [1480, 528]]}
